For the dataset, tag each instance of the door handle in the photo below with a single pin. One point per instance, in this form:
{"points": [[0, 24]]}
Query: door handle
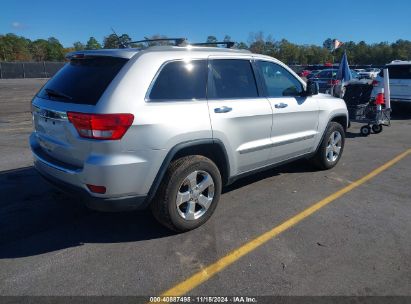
{"points": [[223, 109], [281, 105]]}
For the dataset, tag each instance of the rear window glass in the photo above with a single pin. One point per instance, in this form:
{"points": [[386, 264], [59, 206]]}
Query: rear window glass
{"points": [[82, 80], [398, 72], [181, 80], [232, 78]]}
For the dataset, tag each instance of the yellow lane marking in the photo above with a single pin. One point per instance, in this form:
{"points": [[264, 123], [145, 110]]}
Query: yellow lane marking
{"points": [[209, 271]]}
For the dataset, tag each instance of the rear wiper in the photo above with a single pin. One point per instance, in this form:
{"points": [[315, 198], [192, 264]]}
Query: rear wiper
{"points": [[55, 93]]}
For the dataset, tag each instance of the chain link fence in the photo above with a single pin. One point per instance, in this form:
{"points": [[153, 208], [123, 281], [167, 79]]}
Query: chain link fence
{"points": [[44, 69]]}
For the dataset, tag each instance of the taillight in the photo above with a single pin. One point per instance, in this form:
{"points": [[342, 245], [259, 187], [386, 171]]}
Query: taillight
{"points": [[375, 83], [101, 126], [333, 81]]}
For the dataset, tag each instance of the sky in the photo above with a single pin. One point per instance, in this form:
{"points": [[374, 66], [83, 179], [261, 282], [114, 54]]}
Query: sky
{"points": [[302, 22]]}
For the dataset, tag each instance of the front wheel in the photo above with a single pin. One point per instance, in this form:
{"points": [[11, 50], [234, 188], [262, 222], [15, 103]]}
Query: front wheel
{"points": [[188, 194], [331, 148]]}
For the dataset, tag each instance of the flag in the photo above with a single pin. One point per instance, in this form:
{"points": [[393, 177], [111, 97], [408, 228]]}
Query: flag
{"points": [[344, 72], [337, 44]]}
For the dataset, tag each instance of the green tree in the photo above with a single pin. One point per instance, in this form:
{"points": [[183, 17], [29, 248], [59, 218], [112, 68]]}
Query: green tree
{"points": [[78, 46], [13, 47], [55, 50], [211, 40], [38, 49], [113, 41], [93, 44]]}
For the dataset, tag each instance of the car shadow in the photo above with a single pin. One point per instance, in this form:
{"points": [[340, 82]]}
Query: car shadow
{"points": [[298, 166], [36, 219]]}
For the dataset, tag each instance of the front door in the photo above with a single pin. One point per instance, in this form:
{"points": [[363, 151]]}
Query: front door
{"points": [[295, 117]]}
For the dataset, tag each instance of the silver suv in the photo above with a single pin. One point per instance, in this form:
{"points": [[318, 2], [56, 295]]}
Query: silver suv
{"points": [[167, 127]]}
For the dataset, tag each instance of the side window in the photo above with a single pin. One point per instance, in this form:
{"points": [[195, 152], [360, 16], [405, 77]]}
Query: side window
{"points": [[278, 81], [231, 78], [181, 80]]}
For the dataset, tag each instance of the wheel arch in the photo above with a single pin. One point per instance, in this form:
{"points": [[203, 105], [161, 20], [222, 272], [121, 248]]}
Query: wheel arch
{"points": [[213, 149]]}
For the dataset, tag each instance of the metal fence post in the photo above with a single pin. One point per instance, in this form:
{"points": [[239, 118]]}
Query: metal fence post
{"points": [[44, 69], [24, 72], [1, 72]]}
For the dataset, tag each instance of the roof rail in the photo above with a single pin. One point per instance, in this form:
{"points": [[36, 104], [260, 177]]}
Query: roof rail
{"points": [[177, 41], [228, 44]]}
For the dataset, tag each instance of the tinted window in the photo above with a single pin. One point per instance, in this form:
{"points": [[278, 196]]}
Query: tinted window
{"points": [[231, 78], [278, 81], [399, 71], [181, 80], [83, 80]]}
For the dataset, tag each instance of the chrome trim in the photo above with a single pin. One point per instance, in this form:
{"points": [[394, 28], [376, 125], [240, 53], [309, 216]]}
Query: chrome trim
{"points": [[272, 145], [48, 113]]}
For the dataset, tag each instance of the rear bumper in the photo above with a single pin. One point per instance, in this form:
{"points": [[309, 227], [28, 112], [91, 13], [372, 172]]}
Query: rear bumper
{"points": [[124, 181], [97, 203]]}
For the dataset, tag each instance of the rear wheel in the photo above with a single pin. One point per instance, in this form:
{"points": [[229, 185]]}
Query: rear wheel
{"points": [[331, 148], [189, 193]]}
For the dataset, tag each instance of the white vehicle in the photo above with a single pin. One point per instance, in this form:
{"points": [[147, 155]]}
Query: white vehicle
{"points": [[369, 73], [166, 127], [400, 81]]}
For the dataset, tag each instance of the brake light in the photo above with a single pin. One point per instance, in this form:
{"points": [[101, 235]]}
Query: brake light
{"points": [[333, 81], [375, 83], [101, 126]]}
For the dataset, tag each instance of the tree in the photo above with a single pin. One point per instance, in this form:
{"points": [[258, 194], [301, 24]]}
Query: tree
{"points": [[78, 46], [55, 51], [38, 49], [211, 40], [241, 46], [227, 38], [113, 41], [13, 47], [93, 44], [110, 42]]}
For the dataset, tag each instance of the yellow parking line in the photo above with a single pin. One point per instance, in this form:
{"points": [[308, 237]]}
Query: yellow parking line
{"points": [[209, 271]]}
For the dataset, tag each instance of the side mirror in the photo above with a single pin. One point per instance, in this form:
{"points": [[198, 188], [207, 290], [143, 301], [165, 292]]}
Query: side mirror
{"points": [[312, 88]]}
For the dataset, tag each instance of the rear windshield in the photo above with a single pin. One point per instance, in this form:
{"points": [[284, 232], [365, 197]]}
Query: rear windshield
{"points": [[398, 71], [82, 80]]}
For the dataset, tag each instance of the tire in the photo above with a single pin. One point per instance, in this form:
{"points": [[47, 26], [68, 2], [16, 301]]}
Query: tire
{"points": [[180, 181], [328, 154], [377, 129], [365, 130]]}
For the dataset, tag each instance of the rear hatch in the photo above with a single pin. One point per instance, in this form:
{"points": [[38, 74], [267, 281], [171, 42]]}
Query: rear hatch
{"points": [[77, 87], [400, 81]]}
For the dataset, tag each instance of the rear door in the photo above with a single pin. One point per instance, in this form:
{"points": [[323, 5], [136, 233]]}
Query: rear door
{"points": [[77, 87], [240, 116], [295, 118], [400, 81]]}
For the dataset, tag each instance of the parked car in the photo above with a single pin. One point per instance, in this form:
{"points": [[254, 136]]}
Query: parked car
{"points": [[304, 73], [327, 79], [399, 73], [312, 74], [369, 73], [167, 127]]}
